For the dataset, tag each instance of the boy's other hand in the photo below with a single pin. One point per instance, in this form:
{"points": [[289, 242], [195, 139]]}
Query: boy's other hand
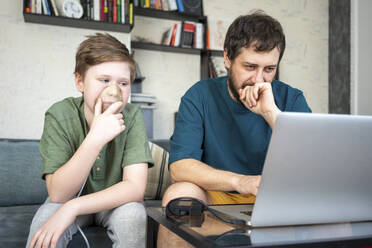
{"points": [[107, 125], [49, 233]]}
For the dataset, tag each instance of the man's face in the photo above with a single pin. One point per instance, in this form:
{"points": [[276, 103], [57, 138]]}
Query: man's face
{"points": [[250, 67], [109, 81]]}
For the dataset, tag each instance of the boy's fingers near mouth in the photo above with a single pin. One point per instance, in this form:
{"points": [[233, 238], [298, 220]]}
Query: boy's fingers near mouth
{"points": [[98, 107], [114, 108]]}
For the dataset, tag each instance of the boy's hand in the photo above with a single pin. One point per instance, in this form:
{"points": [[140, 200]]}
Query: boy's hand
{"points": [[49, 233], [107, 125]]}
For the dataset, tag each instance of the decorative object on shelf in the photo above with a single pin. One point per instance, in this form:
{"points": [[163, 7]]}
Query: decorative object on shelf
{"points": [[217, 33], [73, 9], [193, 7], [218, 67]]}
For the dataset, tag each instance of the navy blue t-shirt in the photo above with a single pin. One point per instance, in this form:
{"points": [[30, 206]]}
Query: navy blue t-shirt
{"points": [[211, 127]]}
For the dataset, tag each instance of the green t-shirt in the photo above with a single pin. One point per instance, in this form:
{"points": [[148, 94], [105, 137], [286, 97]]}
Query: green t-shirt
{"points": [[65, 130]]}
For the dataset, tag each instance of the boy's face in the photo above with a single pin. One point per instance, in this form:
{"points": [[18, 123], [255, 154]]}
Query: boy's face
{"points": [[109, 81]]}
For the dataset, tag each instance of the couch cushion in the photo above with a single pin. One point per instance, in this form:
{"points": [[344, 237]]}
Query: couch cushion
{"points": [[15, 225], [158, 178], [20, 180]]}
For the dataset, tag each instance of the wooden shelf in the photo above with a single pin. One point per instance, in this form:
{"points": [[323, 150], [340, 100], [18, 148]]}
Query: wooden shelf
{"points": [[76, 23], [216, 53], [163, 48], [170, 15]]}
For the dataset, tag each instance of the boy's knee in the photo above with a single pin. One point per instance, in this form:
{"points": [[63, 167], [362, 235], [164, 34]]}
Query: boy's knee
{"points": [[132, 213], [184, 189], [46, 211]]}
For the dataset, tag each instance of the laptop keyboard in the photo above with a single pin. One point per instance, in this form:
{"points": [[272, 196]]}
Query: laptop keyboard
{"points": [[249, 213]]}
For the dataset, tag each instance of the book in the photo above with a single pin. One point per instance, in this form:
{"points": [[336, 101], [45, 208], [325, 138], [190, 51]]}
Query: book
{"points": [[167, 36], [172, 4], [158, 5], [147, 3], [198, 37], [174, 29], [39, 8], [119, 10], [123, 4], [114, 12], [180, 6], [91, 9], [87, 10], [177, 39], [45, 5], [130, 13], [105, 10], [109, 10], [188, 34], [126, 11], [54, 7], [51, 8], [164, 4], [96, 10]]}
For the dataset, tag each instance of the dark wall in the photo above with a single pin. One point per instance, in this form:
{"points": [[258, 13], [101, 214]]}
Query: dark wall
{"points": [[339, 57]]}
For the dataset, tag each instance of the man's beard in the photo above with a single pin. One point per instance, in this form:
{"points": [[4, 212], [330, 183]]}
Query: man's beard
{"points": [[232, 85]]}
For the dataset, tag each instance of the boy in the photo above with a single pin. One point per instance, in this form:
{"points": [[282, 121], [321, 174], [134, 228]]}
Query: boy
{"points": [[100, 138]]}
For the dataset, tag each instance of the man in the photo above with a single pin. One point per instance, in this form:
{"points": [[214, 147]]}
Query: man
{"points": [[224, 125]]}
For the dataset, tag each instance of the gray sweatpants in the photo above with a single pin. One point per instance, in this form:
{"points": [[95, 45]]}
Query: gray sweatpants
{"points": [[125, 225]]}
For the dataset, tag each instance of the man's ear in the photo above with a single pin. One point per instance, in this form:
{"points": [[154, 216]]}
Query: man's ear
{"points": [[79, 82], [226, 60]]}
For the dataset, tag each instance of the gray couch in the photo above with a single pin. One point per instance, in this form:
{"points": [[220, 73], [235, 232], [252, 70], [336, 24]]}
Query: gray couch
{"points": [[22, 191]]}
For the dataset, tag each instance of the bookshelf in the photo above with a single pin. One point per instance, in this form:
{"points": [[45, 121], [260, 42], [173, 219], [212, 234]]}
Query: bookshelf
{"points": [[127, 28], [178, 16], [76, 23], [164, 48]]}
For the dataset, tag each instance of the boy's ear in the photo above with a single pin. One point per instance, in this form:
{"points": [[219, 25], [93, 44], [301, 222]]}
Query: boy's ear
{"points": [[79, 82], [226, 60]]}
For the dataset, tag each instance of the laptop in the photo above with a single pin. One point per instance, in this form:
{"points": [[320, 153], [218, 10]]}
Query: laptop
{"points": [[318, 169]]}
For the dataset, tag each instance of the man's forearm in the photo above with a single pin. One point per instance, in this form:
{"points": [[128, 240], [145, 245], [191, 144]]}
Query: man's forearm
{"points": [[76, 170], [199, 173], [109, 198]]}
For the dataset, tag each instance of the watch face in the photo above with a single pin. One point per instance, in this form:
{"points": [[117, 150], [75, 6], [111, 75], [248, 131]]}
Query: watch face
{"points": [[72, 8]]}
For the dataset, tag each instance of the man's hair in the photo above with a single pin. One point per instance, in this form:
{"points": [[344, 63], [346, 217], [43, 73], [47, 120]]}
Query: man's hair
{"points": [[259, 30], [100, 48]]}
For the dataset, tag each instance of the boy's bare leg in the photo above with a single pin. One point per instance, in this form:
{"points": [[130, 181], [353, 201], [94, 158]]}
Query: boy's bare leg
{"points": [[183, 189]]}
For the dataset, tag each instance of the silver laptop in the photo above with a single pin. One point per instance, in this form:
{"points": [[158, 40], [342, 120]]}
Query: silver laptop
{"points": [[318, 169]]}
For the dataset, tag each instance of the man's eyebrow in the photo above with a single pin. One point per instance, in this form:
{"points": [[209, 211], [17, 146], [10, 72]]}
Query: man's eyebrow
{"points": [[249, 63]]}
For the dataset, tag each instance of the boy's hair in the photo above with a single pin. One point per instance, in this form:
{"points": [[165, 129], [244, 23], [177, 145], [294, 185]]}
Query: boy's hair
{"points": [[257, 29], [100, 48]]}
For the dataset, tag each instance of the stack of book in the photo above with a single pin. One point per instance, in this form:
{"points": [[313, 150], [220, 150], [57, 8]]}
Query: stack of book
{"points": [[46, 7], [184, 34], [191, 7], [116, 11]]}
